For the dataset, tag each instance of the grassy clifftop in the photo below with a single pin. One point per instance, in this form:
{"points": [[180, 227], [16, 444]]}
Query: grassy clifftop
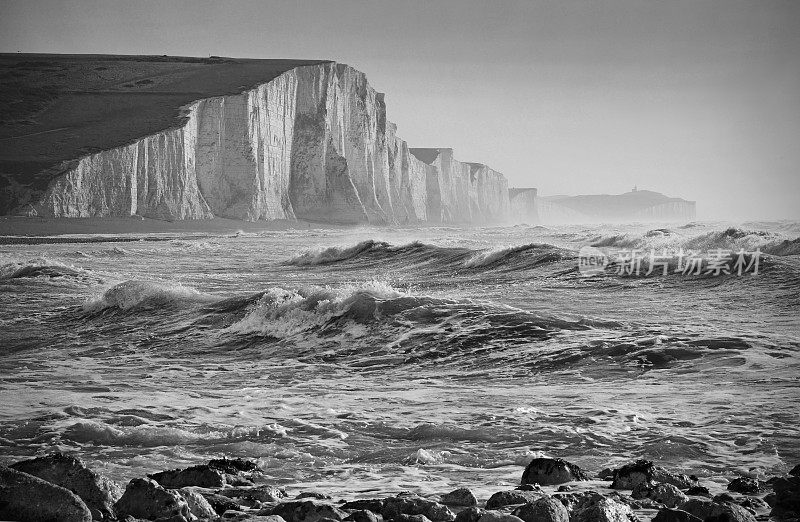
{"points": [[56, 108]]}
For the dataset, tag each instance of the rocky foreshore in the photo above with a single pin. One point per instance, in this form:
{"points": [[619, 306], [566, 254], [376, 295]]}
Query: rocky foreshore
{"points": [[60, 487]]}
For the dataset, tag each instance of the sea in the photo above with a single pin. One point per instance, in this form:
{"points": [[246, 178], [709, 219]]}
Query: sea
{"points": [[375, 360]]}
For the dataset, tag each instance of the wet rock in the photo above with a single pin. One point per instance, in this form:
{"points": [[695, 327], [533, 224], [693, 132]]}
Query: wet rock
{"points": [[198, 505], [795, 471], [497, 516], [313, 494], [565, 488], [787, 497], [723, 497], [548, 472], [305, 511], [606, 474], [96, 491], [414, 505], [215, 474], [543, 509], [675, 515], [705, 509], [373, 504], [173, 518], [362, 515], [472, 514], [512, 497], [753, 504], [402, 517], [220, 503], [202, 476], [643, 471], [597, 508], [460, 497], [241, 516], [234, 466], [145, 498], [698, 491], [32, 499], [665, 494], [262, 493], [744, 485]]}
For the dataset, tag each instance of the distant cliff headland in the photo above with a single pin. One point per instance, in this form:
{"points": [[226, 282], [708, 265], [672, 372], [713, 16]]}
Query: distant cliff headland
{"points": [[173, 138]]}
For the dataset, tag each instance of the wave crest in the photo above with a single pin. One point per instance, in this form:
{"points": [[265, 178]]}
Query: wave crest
{"points": [[143, 294], [281, 313], [336, 254], [39, 267]]}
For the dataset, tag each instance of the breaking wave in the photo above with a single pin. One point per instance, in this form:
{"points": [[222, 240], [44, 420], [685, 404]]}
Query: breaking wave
{"points": [[494, 257], [145, 294], [40, 268], [336, 254], [520, 256]]}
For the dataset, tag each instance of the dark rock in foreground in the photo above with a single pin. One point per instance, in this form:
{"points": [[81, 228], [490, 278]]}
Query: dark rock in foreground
{"points": [[198, 505], [491, 515], [97, 492], [29, 498], [374, 504], [665, 494], [414, 505], [220, 503], [145, 498], [233, 466], [717, 511], [594, 507], [460, 497], [305, 511], [472, 514], [675, 515], [644, 472], [512, 497], [362, 515], [544, 509], [216, 474], [699, 491], [744, 485], [787, 497], [547, 472], [201, 476], [261, 493]]}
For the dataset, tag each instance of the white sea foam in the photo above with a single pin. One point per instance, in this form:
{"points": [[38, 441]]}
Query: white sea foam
{"points": [[281, 313]]}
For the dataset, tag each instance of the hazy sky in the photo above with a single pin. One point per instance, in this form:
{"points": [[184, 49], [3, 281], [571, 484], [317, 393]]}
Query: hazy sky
{"points": [[698, 98]]}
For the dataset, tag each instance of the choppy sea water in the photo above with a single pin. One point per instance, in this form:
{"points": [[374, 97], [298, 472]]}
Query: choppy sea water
{"points": [[381, 360]]}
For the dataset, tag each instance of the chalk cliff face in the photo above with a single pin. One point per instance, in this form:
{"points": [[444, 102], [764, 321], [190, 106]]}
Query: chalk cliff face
{"points": [[462, 192], [312, 144], [524, 205]]}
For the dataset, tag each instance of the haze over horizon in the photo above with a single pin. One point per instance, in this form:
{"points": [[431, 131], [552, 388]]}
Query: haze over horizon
{"points": [[699, 100]]}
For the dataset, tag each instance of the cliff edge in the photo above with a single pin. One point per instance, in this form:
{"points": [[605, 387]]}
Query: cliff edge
{"points": [[191, 138]]}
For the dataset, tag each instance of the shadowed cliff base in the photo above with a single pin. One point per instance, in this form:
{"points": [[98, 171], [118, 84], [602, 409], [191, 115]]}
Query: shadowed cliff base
{"points": [[56, 108]]}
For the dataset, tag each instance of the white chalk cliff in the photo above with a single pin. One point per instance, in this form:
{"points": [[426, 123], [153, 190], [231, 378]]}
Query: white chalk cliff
{"points": [[311, 144]]}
